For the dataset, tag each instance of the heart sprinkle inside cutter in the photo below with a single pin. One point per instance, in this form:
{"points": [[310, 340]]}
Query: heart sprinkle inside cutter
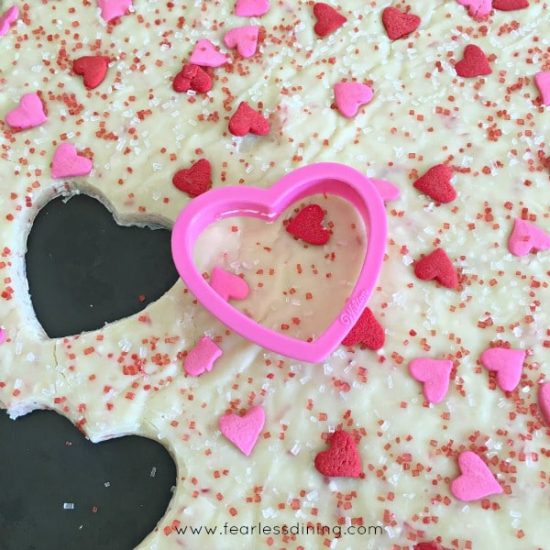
{"points": [[268, 204]]}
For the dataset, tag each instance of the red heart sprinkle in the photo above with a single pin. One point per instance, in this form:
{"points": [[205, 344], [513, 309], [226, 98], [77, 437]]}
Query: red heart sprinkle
{"points": [[306, 225], [245, 119], [93, 68], [341, 459], [399, 24], [510, 5], [473, 63], [367, 331], [192, 77], [436, 183], [328, 19], [437, 266], [194, 180]]}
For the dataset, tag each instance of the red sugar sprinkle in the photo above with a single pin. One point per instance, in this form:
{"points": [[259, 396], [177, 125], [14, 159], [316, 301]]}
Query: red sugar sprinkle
{"points": [[192, 77], [306, 225], [436, 183], [93, 68], [328, 19], [194, 180], [246, 120], [473, 63], [438, 266], [399, 24], [366, 331]]}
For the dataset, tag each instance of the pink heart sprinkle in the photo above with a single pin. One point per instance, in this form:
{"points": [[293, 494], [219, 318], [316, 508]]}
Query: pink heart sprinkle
{"points": [[29, 113], [544, 401], [251, 8], [7, 18], [245, 39], [476, 480], [228, 285], [205, 54], [434, 373], [526, 237], [202, 357], [477, 8], [507, 363], [542, 81], [388, 191], [111, 9], [243, 431], [350, 96], [3, 335], [67, 163]]}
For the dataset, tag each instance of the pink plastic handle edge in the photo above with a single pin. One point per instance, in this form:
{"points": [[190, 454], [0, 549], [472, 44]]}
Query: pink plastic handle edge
{"points": [[217, 204]]}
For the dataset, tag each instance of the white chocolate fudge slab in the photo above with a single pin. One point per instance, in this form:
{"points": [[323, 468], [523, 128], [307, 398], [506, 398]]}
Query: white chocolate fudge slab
{"points": [[493, 131]]}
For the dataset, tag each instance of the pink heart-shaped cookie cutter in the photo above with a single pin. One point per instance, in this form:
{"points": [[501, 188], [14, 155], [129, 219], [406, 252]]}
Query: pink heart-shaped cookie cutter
{"points": [[268, 204]]}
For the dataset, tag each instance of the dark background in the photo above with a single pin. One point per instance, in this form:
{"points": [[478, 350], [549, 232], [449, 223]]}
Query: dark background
{"points": [[84, 270]]}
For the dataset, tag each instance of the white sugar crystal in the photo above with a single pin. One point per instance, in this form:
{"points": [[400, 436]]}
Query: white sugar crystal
{"points": [[312, 496], [125, 345], [269, 513], [333, 485], [295, 448]]}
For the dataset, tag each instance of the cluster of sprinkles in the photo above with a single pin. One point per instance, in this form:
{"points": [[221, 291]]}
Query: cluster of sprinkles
{"points": [[341, 458]]}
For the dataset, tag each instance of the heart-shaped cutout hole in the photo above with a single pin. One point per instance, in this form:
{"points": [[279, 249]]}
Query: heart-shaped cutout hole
{"points": [[295, 288], [59, 490], [84, 270]]}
